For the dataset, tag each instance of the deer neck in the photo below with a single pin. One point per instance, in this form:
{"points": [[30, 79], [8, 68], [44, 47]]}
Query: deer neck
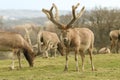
{"points": [[74, 38]]}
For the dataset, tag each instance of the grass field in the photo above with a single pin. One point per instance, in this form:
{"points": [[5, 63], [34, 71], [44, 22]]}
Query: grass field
{"points": [[107, 65]]}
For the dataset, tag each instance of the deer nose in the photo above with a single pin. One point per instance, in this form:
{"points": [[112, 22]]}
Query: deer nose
{"points": [[65, 40]]}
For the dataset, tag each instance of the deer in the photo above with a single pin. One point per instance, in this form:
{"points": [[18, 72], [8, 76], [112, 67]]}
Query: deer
{"points": [[25, 31], [104, 50], [47, 41], [17, 51], [115, 40], [15, 42], [79, 39]]}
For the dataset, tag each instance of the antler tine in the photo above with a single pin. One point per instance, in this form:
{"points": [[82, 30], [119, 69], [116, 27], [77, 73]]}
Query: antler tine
{"points": [[57, 13], [76, 5], [75, 17], [51, 17], [73, 9], [48, 12], [81, 12]]}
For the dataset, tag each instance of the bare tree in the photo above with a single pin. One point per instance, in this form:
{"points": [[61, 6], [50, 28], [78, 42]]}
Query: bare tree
{"points": [[101, 21]]}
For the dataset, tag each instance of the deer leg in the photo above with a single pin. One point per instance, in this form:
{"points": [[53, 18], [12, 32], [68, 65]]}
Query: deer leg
{"points": [[82, 58], [76, 59], [12, 66], [13, 61], [45, 51], [112, 45], [46, 54], [117, 46], [66, 65], [19, 59], [90, 53], [55, 50]]}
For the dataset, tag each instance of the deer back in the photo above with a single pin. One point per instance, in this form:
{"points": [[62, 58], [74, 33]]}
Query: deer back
{"points": [[114, 34]]}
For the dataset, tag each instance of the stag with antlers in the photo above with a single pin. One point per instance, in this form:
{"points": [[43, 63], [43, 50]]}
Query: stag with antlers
{"points": [[79, 39]]}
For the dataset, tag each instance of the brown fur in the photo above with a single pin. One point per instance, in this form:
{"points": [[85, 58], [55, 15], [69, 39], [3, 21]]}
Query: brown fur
{"points": [[16, 41]]}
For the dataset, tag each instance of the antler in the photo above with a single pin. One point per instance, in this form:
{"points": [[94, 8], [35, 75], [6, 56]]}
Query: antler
{"points": [[28, 36], [75, 17], [57, 13], [51, 17]]}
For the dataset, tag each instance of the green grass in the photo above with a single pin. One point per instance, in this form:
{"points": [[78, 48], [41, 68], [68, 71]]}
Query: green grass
{"points": [[107, 65]]}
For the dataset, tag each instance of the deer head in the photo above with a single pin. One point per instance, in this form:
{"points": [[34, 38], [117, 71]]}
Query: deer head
{"points": [[67, 31]]}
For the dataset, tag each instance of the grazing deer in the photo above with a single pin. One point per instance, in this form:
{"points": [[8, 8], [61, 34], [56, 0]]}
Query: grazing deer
{"points": [[17, 51], [79, 39], [104, 50], [48, 40], [115, 40], [13, 41]]}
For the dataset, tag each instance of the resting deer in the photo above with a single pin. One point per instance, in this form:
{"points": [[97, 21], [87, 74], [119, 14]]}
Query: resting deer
{"points": [[115, 40], [104, 50], [48, 40], [79, 39]]}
